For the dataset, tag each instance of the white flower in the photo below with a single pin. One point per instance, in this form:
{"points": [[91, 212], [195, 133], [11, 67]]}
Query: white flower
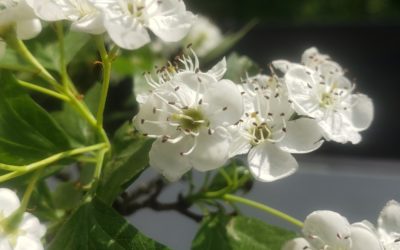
{"points": [[85, 17], [321, 91], [17, 14], [267, 131], [204, 36], [389, 225], [29, 231], [126, 20], [330, 231], [187, 111]]}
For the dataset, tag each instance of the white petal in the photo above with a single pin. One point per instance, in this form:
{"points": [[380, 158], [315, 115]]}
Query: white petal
{"points": [[327, 228], [27, 29], [362, 237], [212, 151], [47, 10], [389, 222], [167, 158], [152, 118], [4, 243], [302, 136], [362, 112], [92, 24], [31, 225], [282, 65], [297, 244], [127, 32], [302, 84], [268, 163], [338, 129], [219, 69], [26, 242], [9, 202], [171, 28], [223, 103], [239, 145]]}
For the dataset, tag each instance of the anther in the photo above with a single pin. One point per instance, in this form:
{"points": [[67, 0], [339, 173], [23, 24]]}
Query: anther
{"points": [[209, 131], [224, 108], [177, 88], [171, 103], [189, 46], [276, 95], [284, 129], [282, 114], [200, 101], [141, 121], [164, 138], [270, 114]]}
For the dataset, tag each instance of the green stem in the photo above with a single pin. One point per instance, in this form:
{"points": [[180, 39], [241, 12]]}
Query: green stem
{"points": [[97, 171], [106, 62], [44, 90], [63, 66], [20, 170], [265, 208], [11, 224], [20, 47], [66, 81], [29, 190]]}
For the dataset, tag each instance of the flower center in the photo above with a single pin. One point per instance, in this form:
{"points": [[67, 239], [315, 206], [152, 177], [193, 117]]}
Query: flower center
{"points": [[326, 100], [190, 120], [135, 8], [259, 132]]}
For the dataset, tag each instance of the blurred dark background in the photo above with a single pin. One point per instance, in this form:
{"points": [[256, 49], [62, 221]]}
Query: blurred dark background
{"points": [[362, 35]]}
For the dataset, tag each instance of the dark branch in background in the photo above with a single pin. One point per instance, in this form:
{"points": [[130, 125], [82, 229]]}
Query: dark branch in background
{"points": [[146, 196]]}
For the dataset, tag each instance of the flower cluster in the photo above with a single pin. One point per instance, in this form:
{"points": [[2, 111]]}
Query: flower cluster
{"points": [[200, 120], [329, 230], [125, 21], [28, 232], [320, 90]]}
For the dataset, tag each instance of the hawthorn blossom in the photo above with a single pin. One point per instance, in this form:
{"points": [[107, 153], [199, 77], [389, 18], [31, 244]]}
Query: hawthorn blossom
{"points": [[389, 225], [329, 230], [187, 112], [85, 17], [28, 233], [267, 132], [204, 35], [17, 15], [126, 20], [320, 90]]}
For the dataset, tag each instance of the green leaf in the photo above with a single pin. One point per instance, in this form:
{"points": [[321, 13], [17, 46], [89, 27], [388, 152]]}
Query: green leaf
{"points": [[219, 231], [66, 189], [229, 41], [97, 226], [238, 66], [49, 56], [78, 128], [129, 159], [27, 132]]}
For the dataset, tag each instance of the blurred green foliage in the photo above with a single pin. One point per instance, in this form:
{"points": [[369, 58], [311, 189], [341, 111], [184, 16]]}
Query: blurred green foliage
{"points": [[301, 12]]}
